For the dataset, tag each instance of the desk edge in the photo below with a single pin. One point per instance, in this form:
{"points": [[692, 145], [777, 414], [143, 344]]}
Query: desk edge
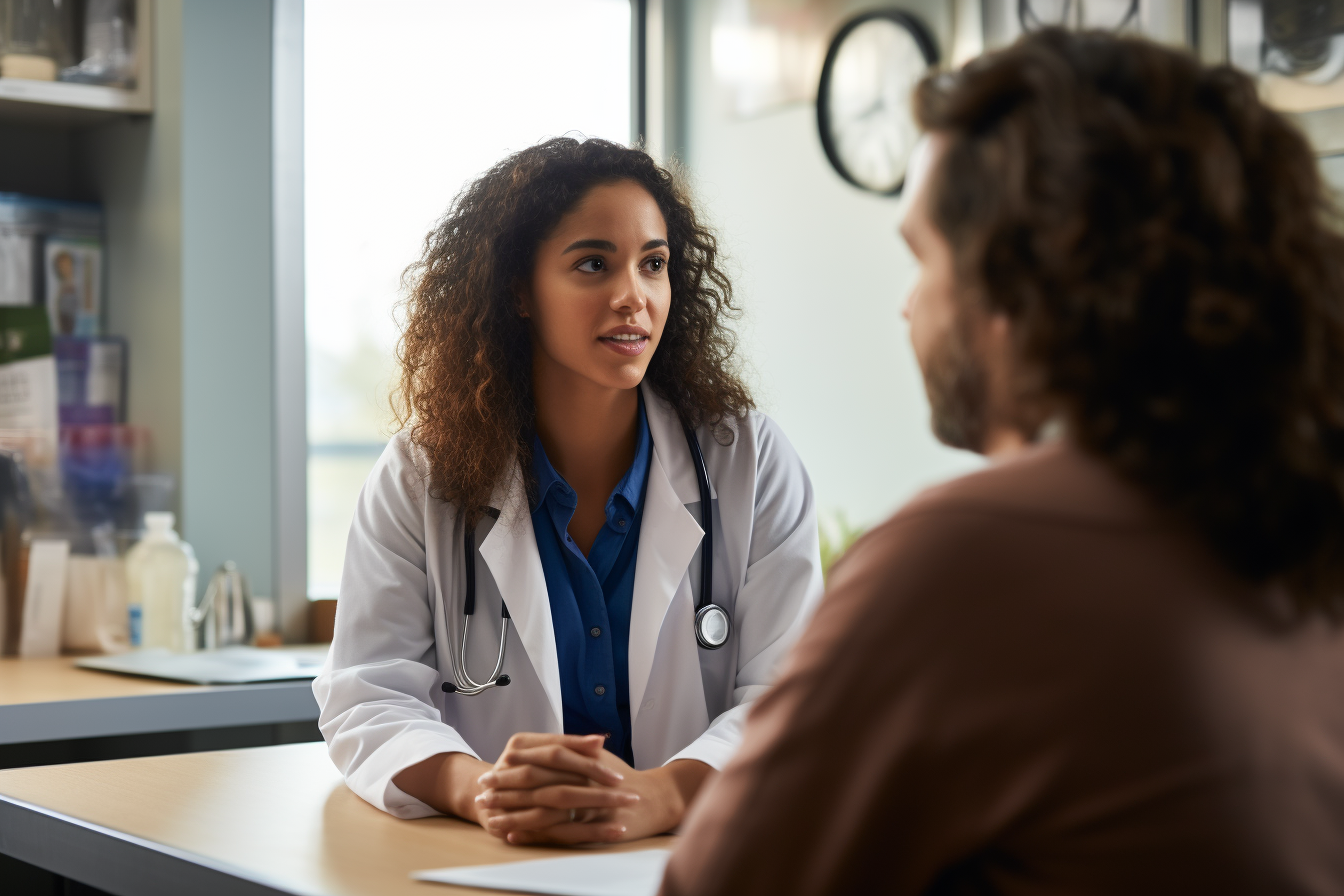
{"points": [[224, 706], [118, 862]]}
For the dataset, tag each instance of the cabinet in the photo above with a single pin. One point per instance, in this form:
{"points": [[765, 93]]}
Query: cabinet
{"points": [[199, 171], [77, 105]]}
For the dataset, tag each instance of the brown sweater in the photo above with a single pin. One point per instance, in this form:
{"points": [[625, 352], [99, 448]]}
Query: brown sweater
{"points": [[1029, 681]]}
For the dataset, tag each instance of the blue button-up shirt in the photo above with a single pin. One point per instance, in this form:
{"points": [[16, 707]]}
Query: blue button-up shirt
{"points": [[591, 596]]}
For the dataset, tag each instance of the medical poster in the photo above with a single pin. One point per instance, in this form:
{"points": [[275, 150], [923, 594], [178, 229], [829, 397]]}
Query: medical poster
{"points": [[74, 286]]}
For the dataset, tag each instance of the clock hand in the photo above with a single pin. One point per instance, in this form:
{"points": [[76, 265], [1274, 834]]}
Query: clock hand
{"points": [[872, 110]]}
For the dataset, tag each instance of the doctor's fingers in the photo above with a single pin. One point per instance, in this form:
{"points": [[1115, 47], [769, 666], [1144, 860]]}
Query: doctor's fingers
{"points": [[528, 777], [557, 798], [587, 744], [552, 826], [561, 759], [502, 823]]}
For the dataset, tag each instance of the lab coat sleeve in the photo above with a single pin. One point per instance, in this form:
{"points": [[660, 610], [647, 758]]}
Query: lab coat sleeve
{"points": [[376, 691], [782, 586]]}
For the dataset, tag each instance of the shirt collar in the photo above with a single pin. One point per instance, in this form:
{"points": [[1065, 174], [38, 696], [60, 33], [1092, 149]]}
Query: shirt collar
{"points": [[631, 486], [548, 479]]}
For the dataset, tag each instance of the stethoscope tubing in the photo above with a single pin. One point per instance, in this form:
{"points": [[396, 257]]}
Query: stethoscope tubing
{"points": [[463, 682], [706, 523]]}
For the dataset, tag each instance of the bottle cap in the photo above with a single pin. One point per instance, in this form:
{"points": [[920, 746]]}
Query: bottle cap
{"points": [[159, 521]]}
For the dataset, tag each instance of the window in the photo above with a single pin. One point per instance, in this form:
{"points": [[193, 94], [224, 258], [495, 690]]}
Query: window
{"points": [[404, 102]]}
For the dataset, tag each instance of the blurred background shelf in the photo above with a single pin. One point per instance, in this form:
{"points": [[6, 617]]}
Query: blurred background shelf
{"points": [[58, 102], [64, 104]]}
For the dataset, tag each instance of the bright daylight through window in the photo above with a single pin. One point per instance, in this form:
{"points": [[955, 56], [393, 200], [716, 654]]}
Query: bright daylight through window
{"points": [[405, 101]]}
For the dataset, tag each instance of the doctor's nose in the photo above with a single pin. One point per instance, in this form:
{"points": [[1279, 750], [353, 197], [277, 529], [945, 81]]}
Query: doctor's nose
{"points": [[629, 297]]}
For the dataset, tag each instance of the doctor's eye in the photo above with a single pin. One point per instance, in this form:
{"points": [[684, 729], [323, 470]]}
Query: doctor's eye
{"points": [[592, 265], [656, 263]]}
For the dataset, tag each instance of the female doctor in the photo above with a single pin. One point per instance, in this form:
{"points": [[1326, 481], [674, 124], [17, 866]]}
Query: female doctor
{"points": [[523, 636]]}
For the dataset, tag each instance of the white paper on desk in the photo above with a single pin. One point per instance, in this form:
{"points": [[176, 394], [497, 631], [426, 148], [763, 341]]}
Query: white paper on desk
{"points": [[44, 598], [236, 664], [595, 874]]}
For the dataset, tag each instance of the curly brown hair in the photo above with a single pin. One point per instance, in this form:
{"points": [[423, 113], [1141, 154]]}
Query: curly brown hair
{"points": [[466, 353], [1169, 259]]}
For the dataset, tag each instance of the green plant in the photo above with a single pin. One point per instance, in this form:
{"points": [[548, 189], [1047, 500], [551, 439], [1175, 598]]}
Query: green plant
{"points": [[836, 535]]}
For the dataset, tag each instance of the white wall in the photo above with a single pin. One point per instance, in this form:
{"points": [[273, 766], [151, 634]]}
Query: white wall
{"points": [[1332, 167], [821, 274]]}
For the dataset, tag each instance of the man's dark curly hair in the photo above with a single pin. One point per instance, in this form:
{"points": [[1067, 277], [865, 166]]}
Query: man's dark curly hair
{"points": [[1171, 265], [466, 353]]}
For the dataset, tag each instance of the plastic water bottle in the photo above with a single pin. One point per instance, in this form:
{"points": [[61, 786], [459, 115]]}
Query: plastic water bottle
{"points": [[161, 587]]}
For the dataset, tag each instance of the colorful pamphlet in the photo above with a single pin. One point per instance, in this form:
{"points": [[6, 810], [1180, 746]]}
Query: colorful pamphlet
{"points": [[74, 276], [91, 376]]}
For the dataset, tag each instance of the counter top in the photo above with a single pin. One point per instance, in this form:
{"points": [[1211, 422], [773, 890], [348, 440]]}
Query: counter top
{"points": [[51, 699], [260, 821], [52, 679]]}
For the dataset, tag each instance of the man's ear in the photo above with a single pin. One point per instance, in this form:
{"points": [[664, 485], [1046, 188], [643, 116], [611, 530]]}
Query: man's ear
{"points": [[1000, 328], [997, 351]]}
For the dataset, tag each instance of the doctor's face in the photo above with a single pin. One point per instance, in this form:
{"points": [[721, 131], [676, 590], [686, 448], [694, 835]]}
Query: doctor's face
{"points": [[943, 323], [599, 293]]}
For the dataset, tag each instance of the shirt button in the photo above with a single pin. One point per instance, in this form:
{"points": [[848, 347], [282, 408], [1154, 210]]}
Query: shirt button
{"points": [[621, 523], [599, 690], [595, 632]]}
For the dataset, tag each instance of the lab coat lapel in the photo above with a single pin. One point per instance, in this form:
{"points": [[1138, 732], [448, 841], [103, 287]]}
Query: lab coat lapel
{"points": [[669, 442], [668, 539], [510, 550]]}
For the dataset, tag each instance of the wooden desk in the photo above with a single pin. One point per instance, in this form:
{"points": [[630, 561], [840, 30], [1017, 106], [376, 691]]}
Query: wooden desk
{"points": [[261, 821], [51, 699]]}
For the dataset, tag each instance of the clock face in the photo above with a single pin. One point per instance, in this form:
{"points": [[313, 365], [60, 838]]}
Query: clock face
{"points": [[863, 104]]}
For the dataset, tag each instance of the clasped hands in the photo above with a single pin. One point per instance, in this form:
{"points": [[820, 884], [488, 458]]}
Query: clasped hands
{"points": [[564, 788], [558, 789]]}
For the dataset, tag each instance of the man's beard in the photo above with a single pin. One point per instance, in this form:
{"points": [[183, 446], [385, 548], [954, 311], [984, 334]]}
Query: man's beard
{"points": [[955, 382]]}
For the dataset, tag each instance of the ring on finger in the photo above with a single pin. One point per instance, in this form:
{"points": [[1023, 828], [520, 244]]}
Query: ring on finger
{"points": [[573, 815]]}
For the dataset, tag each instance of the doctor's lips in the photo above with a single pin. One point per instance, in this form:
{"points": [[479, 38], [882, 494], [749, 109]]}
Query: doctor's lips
{"points": [[625, 340]]}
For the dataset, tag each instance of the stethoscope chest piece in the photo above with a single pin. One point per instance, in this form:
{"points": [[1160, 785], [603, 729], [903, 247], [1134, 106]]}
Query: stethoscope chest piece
{"points": [[712, 627]]}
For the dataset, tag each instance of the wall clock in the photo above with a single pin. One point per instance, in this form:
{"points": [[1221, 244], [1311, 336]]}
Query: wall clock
{"points": [[864, 111]]}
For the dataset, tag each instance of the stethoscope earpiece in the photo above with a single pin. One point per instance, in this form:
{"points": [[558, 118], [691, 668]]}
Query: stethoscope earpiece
{"points": [[500, 682]]}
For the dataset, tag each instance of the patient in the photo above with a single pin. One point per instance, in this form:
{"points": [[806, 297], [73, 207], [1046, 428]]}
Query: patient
{"points": [[1111, 662]]}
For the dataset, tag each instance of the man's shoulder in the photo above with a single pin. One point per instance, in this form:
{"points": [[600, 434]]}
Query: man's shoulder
{"points": [[1009, 514], [1050, 483]]}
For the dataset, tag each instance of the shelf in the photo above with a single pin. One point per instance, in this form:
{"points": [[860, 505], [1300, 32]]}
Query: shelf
{"points": [[59, 102], [65, 104]]}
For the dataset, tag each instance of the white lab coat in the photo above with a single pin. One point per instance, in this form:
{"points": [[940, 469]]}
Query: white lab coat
{"points": [[400, 611]]}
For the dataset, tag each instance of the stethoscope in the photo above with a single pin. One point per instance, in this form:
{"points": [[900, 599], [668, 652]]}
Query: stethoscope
{"points": [[712, 623]]}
